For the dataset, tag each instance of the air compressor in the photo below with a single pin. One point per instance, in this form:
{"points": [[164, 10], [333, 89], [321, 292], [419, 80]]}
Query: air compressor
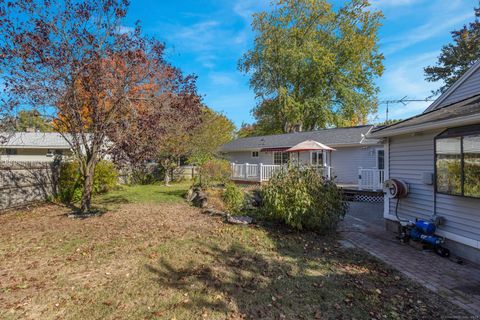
{"points": [[422, 231]]}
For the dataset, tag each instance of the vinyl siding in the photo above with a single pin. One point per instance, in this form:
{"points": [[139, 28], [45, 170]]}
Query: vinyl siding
{"points": [[411, 156], [246, 157], [346, 161], [469, 88], [30, 155]]}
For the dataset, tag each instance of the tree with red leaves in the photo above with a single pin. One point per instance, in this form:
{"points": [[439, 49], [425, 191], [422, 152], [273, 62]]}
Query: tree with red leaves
{"points": [[102, 86]]}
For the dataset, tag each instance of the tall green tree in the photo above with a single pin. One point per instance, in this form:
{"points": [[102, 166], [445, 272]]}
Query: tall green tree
{"points": [[314, 66], [32, 119], [214, 130], [457, 57]]}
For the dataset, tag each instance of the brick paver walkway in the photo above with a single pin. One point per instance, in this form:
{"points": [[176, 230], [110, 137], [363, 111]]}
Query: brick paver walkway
{"points": [[458, 283]]}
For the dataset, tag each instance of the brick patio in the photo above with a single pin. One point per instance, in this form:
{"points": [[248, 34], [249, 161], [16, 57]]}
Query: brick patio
{"points": [[459, 283]]}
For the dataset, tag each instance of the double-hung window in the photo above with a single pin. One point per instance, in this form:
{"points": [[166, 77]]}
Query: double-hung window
{"points": [[11, 152], [280, 158], [316, 158], [457, 162]]}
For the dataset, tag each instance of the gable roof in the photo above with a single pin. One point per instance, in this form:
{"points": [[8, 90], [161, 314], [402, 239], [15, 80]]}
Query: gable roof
{"points": [[461, 113], [465, 87], [37, 140], [335, 137]]}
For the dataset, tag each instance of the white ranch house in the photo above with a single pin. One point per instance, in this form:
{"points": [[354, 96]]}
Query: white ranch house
{"points": [[33, 146], [437, 154], [357, 162]]}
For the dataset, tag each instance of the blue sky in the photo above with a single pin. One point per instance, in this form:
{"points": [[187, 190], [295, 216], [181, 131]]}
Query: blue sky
{"points": [[207, 37]]}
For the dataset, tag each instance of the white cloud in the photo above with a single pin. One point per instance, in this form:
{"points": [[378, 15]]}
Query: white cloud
{"points": [[246, 8], [227, 79], [422, 33], [125, 29], [393, 3], [406, 78]]}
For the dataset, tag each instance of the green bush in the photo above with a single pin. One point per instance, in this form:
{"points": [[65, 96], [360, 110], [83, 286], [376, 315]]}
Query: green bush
{"points": [[233, 197], [213, 171], [70, 184], [105, 178], [302, 199]]}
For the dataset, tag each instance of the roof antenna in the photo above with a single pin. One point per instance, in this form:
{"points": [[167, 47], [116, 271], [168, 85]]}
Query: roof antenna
{"points": [[403, 101]]}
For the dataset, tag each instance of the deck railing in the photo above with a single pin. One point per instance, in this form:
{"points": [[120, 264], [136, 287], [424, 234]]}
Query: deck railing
{"points": [[371, 179], [263, 172]]}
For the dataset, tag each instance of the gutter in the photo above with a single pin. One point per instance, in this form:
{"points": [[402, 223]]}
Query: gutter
{"points": [[344, 145], [462, 121], [32, 147]]}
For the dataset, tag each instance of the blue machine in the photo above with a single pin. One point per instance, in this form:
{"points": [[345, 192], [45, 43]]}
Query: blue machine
{"points": [[424, 232]]}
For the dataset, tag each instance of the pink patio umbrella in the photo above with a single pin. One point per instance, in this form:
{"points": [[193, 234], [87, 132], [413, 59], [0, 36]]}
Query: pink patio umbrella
{"points": [[309, 145]]}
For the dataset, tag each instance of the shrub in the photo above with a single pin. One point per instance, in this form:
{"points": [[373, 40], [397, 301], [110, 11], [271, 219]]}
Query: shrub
{"points": [[105, 178], [302, 199], [233, 197], [70, 182], [214, 170]]}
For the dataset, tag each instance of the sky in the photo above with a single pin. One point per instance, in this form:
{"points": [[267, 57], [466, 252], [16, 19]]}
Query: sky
{"points": [[208, 37]]}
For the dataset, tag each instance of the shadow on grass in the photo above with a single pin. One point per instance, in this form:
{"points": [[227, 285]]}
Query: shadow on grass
{"points": [[173, 193], [304, 276], [112, 199]]}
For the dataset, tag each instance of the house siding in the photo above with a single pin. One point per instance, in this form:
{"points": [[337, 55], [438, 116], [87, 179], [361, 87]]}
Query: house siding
{"points": [[409, 157], [30, 154], [346, 161], [241, 157]]}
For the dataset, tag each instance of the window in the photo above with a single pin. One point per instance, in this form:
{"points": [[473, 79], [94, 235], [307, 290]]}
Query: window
{"points": [[380, 159], [280, 158], [457, 162], [254, 154], [316, 158], [11, 152]]}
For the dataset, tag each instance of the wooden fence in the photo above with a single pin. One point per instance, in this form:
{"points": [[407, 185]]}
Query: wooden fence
{"points": [[23, 183]]}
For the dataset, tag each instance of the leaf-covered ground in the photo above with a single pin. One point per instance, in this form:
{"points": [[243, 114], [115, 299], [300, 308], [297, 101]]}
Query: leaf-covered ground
{"points": [[166, 260]]}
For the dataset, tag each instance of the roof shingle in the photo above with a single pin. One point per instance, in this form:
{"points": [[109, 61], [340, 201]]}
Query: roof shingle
{"points": [[335, 137]]}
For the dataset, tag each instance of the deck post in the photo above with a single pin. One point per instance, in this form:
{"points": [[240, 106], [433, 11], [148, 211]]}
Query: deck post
{"points": [[260, 172], [246, 171], [359, 178]]}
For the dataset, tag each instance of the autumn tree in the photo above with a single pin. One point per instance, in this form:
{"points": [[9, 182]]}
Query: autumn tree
{"points": [[72, 58], [314, 66], [160, 132], [457, 57]]}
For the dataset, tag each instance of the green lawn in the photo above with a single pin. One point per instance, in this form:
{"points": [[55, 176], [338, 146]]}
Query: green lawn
{"points": [[155, 257], [154, 193]]}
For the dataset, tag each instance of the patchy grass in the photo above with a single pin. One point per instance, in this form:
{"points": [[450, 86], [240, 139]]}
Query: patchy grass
{"points": [[153, 193], [150, 259]]}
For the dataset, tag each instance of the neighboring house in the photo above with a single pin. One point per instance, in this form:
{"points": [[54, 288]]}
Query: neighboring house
{"points": [[254, 158], [437, 153], [33, 146]]}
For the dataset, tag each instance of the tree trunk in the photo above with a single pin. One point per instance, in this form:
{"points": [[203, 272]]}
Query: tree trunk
{"points": [[86, 202], [166, 166]]}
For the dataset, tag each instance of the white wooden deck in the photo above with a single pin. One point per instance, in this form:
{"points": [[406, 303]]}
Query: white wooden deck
{"points": [[368, 178], [263, 172]]}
